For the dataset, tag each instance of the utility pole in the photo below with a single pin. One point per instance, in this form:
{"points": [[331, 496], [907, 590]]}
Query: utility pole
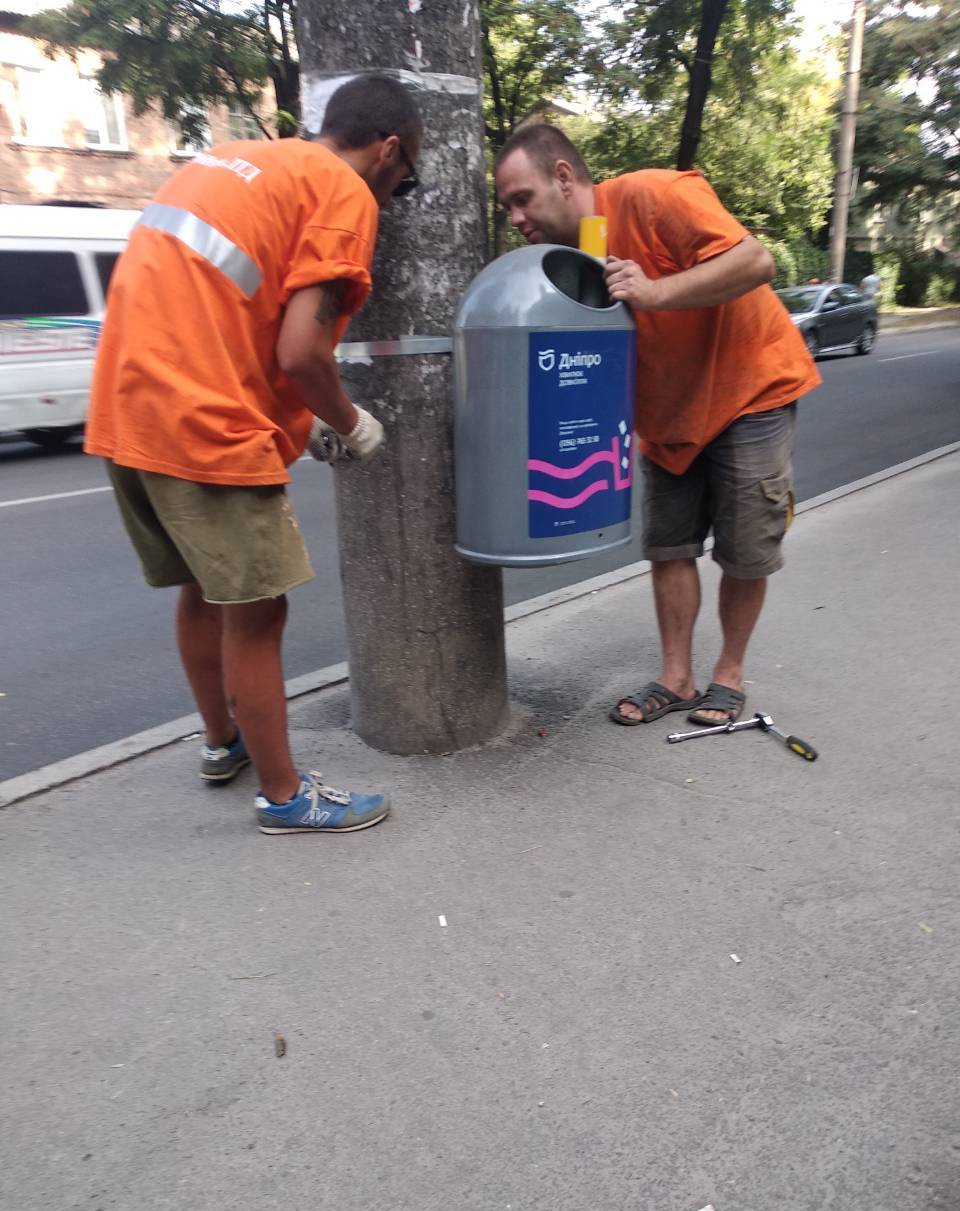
{"points": [[424, 628], [848, 134], [700, 76]]}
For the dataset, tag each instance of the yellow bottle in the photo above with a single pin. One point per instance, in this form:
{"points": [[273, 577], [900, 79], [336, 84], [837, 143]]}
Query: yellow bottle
{"points": [[593, 235]]}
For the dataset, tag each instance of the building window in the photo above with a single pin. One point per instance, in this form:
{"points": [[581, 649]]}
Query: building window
{"points": [[101, 116], [241, 124], [35, 111], [8, 96], [181, 145], [41, 283]]}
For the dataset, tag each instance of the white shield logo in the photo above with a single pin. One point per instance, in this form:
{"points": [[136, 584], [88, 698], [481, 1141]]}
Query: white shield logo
{"points": [[548, 359]]}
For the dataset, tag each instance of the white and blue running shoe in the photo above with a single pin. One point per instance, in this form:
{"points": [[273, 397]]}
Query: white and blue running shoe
{"points": [[222, 764], [317, 808]]}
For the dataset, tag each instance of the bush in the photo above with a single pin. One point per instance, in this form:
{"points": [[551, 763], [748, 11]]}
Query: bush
{"points": [[916, 271], [811, 262], [857, 264], [941, 289], [786, 271], [887, 268], [926, 279], [796, 260]]}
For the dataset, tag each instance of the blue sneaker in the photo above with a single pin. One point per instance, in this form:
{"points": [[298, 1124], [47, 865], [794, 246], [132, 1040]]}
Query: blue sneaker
{"points": [[224, 763], [317, 808]]}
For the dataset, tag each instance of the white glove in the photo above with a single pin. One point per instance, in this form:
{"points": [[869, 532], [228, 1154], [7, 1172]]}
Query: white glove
{"points": [[365, 438], [359, 445]]}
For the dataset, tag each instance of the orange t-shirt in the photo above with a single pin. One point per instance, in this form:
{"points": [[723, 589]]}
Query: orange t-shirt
{"points": [[697, 370], [186, 381]]}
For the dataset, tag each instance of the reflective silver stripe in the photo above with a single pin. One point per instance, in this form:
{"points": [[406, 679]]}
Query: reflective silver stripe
{"points": [[363, 350], [207, 242]]}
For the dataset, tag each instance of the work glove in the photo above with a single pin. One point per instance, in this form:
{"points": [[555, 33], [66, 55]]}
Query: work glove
{"points": [[359, 445]]}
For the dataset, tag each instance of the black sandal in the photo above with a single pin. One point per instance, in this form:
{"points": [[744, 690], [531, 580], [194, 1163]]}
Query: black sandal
{"points": [[719, 698], [664, 701]]}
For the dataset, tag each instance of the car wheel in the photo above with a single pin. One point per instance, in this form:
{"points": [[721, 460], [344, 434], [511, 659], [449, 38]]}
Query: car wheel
{"points": [[867, 339], [50, 439], [813, 344]]}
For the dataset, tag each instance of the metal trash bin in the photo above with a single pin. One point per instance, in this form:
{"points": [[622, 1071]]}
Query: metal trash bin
{"points": [[544, 368]]}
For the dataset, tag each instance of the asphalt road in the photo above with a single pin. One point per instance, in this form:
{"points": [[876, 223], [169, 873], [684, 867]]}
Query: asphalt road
{"points": [[88, 654]]}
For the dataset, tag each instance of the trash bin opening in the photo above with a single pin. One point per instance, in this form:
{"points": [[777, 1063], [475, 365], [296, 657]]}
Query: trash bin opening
{"points": [[578, 276]]}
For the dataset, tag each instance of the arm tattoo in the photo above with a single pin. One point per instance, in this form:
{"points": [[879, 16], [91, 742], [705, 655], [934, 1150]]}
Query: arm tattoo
{"points": [[330, 306]]}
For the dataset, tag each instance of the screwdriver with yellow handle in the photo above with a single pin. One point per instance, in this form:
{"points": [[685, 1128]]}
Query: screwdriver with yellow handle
{"points": [[764, 722]]}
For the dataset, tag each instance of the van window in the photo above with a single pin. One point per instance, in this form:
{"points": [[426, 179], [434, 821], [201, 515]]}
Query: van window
{"points": [[106, 263], [41, 283]]}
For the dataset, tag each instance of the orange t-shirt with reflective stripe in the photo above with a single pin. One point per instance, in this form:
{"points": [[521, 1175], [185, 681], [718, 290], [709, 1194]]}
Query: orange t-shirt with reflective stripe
{"points": [[186, 381], [697, 370]]}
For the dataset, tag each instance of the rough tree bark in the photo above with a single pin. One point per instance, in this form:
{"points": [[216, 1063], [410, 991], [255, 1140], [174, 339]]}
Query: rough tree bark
{"points": [[425, 629]]}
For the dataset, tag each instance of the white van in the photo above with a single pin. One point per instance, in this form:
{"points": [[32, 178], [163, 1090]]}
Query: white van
{"points": [[55, 265]]}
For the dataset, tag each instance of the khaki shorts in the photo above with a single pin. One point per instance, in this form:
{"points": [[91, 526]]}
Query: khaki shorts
{"points": [[740, 486], [238, 544]]}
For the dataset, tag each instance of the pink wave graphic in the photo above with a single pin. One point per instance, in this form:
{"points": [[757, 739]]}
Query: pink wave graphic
{"points": [[601, 456], [621, 479], [568, 502]]}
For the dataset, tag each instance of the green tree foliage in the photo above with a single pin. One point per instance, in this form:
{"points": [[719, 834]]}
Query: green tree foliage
{"points": [[908, 135], [908, 146], [887, 267], [766, 141], [532, 49], [647, 47], [185, 55], [768, 154]]}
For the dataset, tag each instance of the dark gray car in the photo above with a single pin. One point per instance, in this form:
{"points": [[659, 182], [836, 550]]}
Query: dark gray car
{"points": [[832, 317]]}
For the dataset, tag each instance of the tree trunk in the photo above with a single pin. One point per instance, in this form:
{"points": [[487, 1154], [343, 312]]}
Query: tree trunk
{"points": [[425, 629], [843, 190], [286, 91], [711, 18]]}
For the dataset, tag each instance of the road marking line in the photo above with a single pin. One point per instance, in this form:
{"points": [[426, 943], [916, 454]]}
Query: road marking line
{"points": [[900, 357], [33, 500]]}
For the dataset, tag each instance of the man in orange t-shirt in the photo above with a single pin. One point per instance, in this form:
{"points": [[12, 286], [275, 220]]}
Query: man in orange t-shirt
{"points": [[719, 368], [215, 367]]}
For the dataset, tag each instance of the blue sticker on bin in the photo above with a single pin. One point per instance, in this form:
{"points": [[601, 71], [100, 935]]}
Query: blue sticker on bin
{"points": [[580, 424]]}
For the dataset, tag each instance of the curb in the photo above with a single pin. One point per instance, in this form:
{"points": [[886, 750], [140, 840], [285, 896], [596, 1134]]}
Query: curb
{"points": [[929, 317], [583, 588], [924, 326], [71, 769], [14, 790]]}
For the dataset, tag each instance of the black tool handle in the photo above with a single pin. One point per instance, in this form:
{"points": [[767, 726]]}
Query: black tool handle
{"points": [[807, 751]]}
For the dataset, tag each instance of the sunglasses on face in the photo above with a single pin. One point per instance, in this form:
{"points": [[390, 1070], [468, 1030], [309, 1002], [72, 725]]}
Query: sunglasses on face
{"points": [[408, 184]]}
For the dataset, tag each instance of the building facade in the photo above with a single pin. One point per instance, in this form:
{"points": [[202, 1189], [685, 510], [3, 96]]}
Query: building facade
{"points": [[64, 142]]}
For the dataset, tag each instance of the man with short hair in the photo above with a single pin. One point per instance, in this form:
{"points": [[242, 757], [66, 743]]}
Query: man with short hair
{"points": [[719, 368], [216, 359]]}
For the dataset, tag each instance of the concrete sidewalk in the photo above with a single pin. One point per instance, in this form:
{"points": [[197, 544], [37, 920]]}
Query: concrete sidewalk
{"points": [[918, 319], [519, 994]]}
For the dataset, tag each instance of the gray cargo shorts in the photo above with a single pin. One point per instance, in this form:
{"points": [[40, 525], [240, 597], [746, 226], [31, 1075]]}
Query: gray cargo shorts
{"points": [[740, 486]]}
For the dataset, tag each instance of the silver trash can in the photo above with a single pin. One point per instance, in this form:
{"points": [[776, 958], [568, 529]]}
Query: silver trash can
{"points": [[544, 369]]}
